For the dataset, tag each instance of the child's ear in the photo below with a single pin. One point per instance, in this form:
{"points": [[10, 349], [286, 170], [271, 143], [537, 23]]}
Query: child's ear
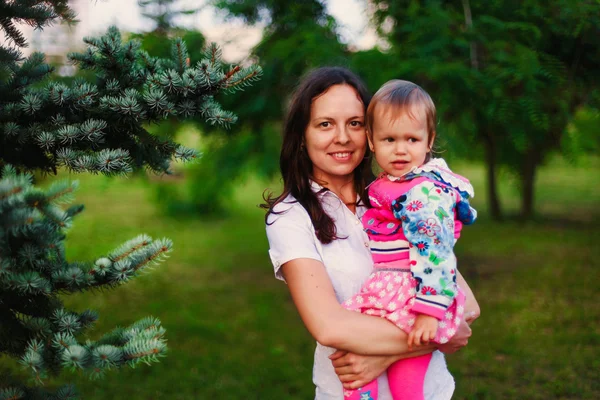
{"points": [[431, 140], [370, 143]]}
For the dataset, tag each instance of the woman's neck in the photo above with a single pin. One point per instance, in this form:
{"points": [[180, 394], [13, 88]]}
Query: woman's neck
{"points": [[343, 188]]}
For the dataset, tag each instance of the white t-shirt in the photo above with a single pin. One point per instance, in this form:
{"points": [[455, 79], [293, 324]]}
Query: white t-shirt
{"points": [[348, 263]]}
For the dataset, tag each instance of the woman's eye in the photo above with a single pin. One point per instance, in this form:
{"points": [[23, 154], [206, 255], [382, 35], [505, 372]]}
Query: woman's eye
{"points": [[356, 123], [325, 124]]}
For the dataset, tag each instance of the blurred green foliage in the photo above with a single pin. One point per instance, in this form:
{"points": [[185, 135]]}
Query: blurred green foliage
{"points": [[299, 36], [163, 13], [507, 76], [514, 82]]}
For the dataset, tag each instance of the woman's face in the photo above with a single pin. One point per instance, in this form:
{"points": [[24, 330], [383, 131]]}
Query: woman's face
{"points": [[335, 138]]}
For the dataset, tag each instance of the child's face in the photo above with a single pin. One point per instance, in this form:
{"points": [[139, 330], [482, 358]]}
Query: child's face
{"points": [[399, 141]]}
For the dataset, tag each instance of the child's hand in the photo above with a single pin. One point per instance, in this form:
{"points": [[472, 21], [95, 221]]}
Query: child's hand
{"points": [[423, 331]]}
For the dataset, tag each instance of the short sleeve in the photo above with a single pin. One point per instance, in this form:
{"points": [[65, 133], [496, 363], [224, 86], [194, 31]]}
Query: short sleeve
{"points": [[291, 236]]}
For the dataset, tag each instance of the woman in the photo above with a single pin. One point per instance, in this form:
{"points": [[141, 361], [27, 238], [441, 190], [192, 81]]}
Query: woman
{"points": [[318, 246]]}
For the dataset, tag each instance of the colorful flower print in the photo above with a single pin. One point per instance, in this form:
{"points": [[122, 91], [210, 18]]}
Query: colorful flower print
{"points": [[443, 188], [397, 205], [419, 282], [366, 395], [414, 205], [428, 290], [429, 227], [422, 246]]}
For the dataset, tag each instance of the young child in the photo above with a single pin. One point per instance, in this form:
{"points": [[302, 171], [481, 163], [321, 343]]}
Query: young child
{"points": [[418, 209]]}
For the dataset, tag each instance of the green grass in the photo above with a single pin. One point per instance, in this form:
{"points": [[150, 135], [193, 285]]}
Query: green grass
{"points": [[234, 334]]}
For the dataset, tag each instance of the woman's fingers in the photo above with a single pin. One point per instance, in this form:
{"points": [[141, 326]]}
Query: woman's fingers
{"points": [[338, 354], [354, 384], [348, 370], [348, 378], [346, 359]]}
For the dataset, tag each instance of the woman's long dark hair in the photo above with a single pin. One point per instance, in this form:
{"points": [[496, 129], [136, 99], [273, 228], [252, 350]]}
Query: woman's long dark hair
{"points": [[294, 163]]}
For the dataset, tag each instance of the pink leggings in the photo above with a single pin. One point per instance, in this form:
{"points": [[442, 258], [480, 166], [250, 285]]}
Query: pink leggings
{"points": [[405, 377]]}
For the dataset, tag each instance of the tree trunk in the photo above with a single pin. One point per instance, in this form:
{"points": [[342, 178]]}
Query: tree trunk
{"points": [[488, 139], [491, 164], [529, 167], [469, 24]]}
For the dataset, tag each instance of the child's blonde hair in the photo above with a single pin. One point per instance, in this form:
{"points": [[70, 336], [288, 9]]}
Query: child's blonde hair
{"points": [[399, 97]]}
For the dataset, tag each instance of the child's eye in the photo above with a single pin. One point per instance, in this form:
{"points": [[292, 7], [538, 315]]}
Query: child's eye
{"points": [[388, 139], [413, 140]]}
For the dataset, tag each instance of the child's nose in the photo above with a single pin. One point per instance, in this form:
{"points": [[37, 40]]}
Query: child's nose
{"points": [[400, 147]]}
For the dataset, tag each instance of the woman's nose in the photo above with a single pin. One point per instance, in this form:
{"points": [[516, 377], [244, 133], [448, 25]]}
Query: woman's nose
{"points": [[342, 136]]}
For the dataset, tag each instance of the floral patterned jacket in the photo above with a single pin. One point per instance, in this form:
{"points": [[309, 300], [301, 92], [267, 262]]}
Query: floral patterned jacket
{"points": [[414, 223]]}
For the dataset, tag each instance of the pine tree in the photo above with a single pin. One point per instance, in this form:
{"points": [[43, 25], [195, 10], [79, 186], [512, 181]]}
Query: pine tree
{"points": [[95, 127]]}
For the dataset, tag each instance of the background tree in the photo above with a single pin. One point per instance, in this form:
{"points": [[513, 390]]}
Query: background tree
{"points": [[506, 75], [163, 13], [297, 36], [157, 42], [86, 126]]}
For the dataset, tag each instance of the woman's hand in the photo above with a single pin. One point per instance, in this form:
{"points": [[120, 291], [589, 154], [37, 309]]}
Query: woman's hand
{"points": [[459, 340], [356, 370]]}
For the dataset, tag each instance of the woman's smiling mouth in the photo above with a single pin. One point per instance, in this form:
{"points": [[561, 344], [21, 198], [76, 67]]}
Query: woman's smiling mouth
{"points": [[342, 155]]}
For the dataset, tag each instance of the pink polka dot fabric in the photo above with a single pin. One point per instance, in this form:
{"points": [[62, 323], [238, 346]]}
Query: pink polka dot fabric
{"points": [[390, 293]]}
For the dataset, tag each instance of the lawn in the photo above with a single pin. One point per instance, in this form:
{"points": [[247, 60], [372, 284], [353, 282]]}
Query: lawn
{"points": [[233, 332]]}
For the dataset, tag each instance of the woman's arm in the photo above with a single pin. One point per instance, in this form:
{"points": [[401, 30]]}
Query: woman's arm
{"points": [[355, 370], [472, 310], [463, 333], [332, 325]]}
